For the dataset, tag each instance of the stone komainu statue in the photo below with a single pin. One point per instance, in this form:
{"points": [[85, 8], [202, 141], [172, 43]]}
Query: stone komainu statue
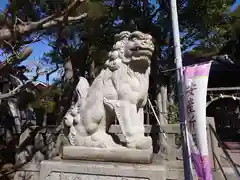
{"points": [[120, 90]]}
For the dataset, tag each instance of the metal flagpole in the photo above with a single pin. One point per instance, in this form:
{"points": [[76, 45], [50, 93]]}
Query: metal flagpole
{"points": [[181, 98]]}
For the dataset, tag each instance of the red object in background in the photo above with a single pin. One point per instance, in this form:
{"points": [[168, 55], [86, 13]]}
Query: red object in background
{"points": [[232, 145], [145, 3], [40, 85]]}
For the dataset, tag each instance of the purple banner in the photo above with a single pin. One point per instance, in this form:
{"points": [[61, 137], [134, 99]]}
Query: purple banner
{"points": [[196, 81], [202, 166]]}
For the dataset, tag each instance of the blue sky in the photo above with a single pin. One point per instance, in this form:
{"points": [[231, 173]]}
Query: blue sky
{"points": [[39, 48], [236, 4]]}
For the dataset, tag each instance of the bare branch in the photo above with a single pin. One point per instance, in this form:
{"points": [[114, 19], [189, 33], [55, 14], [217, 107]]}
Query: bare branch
{"points": [[6, 34], [17, 80], [36, 39], [21, 21], [53, 71], [56, 21], [48, 22], [12, 47], [154, 14], [14, 91], [21, 86], [14, 59], [54, 16]]}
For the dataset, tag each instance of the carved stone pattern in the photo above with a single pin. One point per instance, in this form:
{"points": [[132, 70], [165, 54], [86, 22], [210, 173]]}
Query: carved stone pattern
{"points": [[23, 175], [69, 176]]}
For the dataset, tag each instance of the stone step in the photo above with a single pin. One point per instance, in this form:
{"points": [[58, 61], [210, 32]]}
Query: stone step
{"points": [[178, 174], [175, 171]]}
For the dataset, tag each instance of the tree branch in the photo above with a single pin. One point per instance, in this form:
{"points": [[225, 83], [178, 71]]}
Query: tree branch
{"points": [[21, 86], [14, 91], [14, 59], [59, 20], [56, 15], [51, 72], [154, 14], [48, 22]]}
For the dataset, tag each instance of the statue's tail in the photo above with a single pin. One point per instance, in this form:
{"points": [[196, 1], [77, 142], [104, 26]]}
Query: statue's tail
{"points": [[73, 114]]}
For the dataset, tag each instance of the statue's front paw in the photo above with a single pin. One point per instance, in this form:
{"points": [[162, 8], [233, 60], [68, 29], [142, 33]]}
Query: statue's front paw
{"points": [[103, 140], [92, 143], [141, 143]]}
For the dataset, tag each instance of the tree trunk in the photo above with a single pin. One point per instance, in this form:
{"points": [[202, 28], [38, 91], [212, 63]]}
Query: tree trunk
{"points": [[68, 71], [160, 107], [171, 91], [171, 65], [91, 71], [67, 83], [75, 65], [162, 99], [158, 93], [163, 91]]}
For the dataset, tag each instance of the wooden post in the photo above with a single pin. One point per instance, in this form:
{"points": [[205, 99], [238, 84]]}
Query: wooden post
{"points": [[214, 150]]}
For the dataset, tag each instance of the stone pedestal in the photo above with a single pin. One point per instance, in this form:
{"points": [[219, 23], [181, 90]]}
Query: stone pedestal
{"points": [[119, 154], [81, 170]]}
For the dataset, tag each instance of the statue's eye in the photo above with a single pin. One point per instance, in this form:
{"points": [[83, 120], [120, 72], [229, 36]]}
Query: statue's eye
{"points": [[133, 38]]}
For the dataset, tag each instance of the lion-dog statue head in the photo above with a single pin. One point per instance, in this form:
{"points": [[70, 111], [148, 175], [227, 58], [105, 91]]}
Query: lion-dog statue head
{"points": [[134, 49]]}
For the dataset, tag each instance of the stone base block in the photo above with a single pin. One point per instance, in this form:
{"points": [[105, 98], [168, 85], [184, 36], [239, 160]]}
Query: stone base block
{"points": [[76, 170], [121, 154]]}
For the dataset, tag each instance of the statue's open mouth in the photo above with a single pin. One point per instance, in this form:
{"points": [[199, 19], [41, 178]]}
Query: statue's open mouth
{"points": [[140, 48], [145, 52]]}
